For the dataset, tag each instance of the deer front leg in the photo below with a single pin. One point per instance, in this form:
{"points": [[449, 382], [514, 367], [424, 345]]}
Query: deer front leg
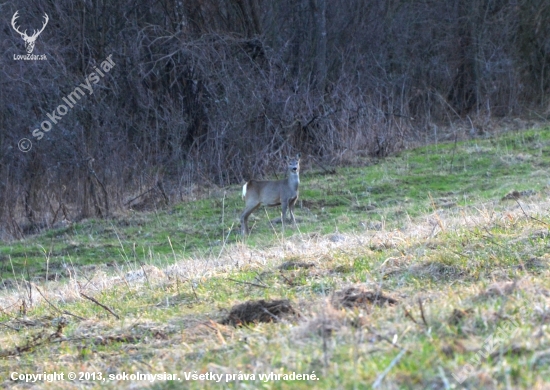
{"points": [[291, 209], [284, 205]]}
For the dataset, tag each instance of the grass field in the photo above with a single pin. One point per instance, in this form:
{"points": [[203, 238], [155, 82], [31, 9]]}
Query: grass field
{"points": [[429, 269]]}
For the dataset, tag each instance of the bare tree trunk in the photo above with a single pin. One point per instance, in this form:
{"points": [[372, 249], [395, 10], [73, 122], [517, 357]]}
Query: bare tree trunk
{"points": [[299, 38], [318, 8], [464, 92]]}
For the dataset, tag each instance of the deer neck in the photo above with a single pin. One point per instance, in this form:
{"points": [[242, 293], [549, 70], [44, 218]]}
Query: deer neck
{"points": [[294, 180]]}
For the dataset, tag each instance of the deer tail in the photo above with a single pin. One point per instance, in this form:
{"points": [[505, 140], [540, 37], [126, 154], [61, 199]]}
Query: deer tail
{"points": [[244, 189]]}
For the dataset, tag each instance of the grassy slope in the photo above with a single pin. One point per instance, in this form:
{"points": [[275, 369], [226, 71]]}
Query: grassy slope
{"points": [[427, 225]]}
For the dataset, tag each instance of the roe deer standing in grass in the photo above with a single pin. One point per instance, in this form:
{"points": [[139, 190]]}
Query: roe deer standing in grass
{"points": [[272, 193]]}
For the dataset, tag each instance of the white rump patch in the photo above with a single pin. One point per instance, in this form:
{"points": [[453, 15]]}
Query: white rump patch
{"points": [[244, 189]]}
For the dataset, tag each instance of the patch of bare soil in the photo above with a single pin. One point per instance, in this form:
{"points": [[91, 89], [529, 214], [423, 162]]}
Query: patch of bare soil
{"points": [[293, 265], [358, 296], [499, 289], [8, 284], [437, 271], [342, 269], [511, 350], [518, 194], [534, 264], [458, 315], [121, 338], [320, 203], [258, 311]]}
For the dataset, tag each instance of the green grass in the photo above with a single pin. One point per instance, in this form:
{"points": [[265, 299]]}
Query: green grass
{"points": [[404, 186], [429, 227]]}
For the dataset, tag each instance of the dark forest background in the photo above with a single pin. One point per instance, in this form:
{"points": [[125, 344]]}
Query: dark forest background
{"points": [[213, 92]]}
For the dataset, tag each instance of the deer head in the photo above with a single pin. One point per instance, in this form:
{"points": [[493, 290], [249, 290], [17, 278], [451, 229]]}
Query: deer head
{"points": [[29, 40]]}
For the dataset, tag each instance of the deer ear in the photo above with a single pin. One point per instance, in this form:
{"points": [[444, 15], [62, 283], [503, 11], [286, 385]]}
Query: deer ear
{"points": [[298, 155]]}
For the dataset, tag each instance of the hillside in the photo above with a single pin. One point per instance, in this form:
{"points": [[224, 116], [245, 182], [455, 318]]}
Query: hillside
{"points": [[428, 269]]}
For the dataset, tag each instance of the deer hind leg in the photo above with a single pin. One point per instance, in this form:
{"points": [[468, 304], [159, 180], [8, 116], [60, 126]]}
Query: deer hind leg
{"points": [[249, 209]]}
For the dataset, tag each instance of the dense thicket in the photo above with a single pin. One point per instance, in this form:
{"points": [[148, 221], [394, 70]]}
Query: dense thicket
{"points": [[215, 91]]}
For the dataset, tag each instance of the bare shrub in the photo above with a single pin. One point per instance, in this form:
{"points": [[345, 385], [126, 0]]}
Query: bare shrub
{"points": [[214, 92]]}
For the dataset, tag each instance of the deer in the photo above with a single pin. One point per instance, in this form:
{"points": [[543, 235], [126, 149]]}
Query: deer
{"points": [[284, 192], [29, 41]]}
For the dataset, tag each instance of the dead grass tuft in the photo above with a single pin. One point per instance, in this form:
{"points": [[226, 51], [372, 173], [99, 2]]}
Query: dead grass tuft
{"points": [[499, 289], [437, 270], [325, 322]]}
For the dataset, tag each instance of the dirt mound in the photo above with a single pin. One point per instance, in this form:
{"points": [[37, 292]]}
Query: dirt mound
{"points": [[258, 311], [358, 296]]}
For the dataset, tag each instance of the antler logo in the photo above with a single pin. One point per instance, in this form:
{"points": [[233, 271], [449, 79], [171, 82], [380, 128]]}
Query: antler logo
{"points": [[29, 40]]}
